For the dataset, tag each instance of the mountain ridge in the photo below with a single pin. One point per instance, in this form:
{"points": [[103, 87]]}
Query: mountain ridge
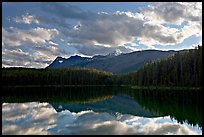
{"points": [[117, 63]]}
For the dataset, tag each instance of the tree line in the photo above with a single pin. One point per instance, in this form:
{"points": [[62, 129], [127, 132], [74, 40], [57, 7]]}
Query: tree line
{"points": [[182, 69], [174, 103], [53, 76]]}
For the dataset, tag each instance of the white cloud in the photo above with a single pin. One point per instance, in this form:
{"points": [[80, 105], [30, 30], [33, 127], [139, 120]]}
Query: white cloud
{"points": [[17, 37], [107, 29], [52, 43], [120, 28], [173, 12], [40, 49], [16, 57], [27, 19], [192, 28], [35, 56]]}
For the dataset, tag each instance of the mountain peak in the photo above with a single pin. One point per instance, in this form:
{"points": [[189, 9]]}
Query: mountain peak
{"points": [[76, 56], [115, 53], [59, 59]]}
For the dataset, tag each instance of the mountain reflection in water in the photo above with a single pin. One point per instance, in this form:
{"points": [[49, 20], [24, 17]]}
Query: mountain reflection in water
{"points": [[42, 118], [100, 110]]}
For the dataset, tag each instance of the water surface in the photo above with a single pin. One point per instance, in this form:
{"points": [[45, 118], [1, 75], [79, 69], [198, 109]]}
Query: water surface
{"points": [[100, 110]]}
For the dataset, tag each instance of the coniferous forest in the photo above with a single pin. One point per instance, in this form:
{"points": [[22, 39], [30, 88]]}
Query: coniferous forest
{"points": [[183, 69]]}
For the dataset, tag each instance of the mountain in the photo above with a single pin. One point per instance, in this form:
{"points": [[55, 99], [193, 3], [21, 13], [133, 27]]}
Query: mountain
{"points": [[60, 62], [116, 62], [116, 104]]}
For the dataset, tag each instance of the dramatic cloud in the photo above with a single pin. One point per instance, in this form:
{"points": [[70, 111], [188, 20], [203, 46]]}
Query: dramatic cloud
{"points": [[15, 58], [59, 26], [108, 29], [174, 13], [41, 118], [29, 48], [34, 56], [17, 37], [38, 57], [119, 28]]}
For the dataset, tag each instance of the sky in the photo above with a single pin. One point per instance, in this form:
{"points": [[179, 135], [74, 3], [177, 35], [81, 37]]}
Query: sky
{"points": [[35, 33]]}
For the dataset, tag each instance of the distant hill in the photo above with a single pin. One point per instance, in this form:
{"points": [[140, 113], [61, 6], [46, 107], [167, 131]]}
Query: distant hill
{"points": [[116, 62]]}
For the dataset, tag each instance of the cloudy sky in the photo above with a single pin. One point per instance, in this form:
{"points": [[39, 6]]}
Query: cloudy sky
{"points": [[34, 34]]}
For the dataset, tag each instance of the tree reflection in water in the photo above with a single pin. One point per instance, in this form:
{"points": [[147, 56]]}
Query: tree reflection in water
{"points": [[184, 106]]}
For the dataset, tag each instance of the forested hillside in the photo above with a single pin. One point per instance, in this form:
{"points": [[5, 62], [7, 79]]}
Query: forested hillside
{"points": [[182, 69]]}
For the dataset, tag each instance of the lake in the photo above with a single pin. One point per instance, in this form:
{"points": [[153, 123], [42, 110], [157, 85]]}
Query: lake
{"points": [[100, 110]]}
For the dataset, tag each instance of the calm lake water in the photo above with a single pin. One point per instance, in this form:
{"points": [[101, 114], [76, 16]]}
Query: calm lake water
{"points": [[100, 110]]}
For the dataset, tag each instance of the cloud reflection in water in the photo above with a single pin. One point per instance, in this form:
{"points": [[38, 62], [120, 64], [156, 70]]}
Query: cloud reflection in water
{"points": [[41, 118]]}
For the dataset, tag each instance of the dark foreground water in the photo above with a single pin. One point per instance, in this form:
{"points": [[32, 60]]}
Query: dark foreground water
{"points": [[100, 110]]}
